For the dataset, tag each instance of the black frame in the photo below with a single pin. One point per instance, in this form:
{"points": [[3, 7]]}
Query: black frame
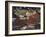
{"points": [[6, 18]]}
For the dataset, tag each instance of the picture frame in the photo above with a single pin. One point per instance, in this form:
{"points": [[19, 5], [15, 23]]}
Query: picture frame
{"points": [[13, 25]]}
